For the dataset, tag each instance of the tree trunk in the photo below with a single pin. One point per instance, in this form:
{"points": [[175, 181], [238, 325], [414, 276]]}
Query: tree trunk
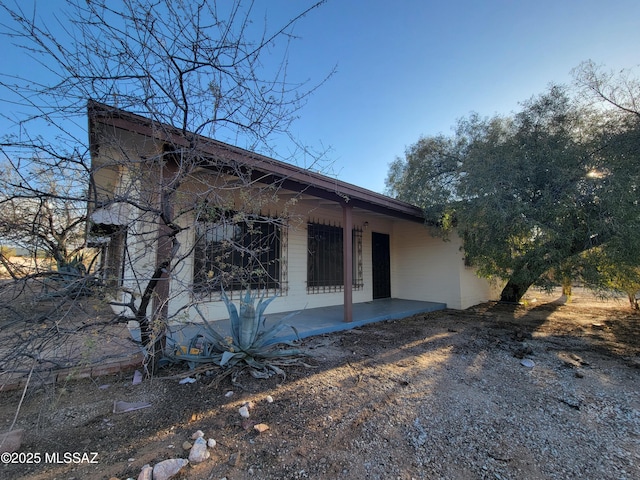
{"points": [[633, 301], [514, 290], [146, 328]]}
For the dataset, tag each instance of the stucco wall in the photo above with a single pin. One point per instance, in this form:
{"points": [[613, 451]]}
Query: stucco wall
{"points": [[296, 296], [425, 267], [422, 267]]}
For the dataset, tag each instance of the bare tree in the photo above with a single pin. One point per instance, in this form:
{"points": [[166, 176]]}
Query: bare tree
{"points": [[194, 70]]}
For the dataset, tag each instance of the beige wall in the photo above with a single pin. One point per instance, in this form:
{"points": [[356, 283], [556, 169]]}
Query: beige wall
{"points": [[296, 296], [422, 267], [428, 268]]}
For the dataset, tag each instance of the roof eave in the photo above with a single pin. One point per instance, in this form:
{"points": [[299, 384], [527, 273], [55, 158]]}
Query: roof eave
{"points": [[291, 176]]}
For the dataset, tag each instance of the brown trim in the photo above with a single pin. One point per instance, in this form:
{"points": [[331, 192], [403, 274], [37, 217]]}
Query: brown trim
{"points": [[264, 169], [347, 263]]}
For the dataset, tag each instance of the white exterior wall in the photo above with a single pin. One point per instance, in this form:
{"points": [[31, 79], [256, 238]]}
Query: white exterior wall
{"points": [[428, 268], [296, 296], [423, 267], [117, 179]]}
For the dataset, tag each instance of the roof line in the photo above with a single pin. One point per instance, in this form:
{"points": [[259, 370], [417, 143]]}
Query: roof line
{"points": [[321, 185]]}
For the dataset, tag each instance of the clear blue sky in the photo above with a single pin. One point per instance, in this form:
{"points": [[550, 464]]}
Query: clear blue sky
{"points": [[408, 68]]}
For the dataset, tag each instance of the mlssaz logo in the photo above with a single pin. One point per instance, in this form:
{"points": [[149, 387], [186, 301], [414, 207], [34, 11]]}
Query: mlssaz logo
{"points": [[72, 457]]}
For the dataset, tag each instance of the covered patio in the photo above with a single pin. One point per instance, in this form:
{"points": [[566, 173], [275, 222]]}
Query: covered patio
{"points": [[322, 320]]}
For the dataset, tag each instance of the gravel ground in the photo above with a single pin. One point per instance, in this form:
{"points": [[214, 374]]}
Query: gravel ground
{"points": [[546, 391]]}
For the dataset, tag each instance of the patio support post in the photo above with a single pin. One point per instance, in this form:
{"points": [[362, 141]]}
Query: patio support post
{"points": [[347, 245]]}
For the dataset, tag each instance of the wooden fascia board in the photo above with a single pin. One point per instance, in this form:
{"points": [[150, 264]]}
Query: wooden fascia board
{"points": [[265, 169]]}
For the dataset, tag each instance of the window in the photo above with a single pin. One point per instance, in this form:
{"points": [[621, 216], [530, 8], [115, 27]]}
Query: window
{"points": [[112, 240], [325, 258], [237, 252]]}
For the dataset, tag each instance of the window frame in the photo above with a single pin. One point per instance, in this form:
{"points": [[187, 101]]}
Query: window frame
{"points": [[239, 251], [325, 258]]}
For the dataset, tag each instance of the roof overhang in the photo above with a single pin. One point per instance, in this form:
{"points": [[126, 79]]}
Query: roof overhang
{"points": [[263, 169]]}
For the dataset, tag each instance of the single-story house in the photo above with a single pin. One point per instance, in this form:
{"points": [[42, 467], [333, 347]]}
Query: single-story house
{"points": [[242, 219]]}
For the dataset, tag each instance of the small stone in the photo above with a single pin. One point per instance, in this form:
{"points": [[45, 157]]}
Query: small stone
{"points": [[168, 468], [211, 443], [261, 427], [229, 394], [527, 362], [146, 473], [244, 411], [234, 459], [269, 399], [249, 405], [199, 452], [579, 374], [186, 445], [197, 434], [11, 441]]}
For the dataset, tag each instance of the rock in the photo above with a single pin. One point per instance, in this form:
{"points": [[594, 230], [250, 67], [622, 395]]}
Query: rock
{"points": [[211, 443], [168, 468], [244, 411], [229, 394], [186, 445], [261, 427], [527, 362], [249, 405], [187, 380], [120, 406], [269, 399], [234, 459], [11, 441], [197, 434], [146, 473], [199, 452]]}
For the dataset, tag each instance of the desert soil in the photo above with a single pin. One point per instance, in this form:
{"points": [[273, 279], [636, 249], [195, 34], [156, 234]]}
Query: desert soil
{"points": [[442, 395]]}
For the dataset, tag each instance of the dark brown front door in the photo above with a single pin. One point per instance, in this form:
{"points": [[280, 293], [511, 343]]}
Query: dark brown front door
{"points": [[381, 265]]}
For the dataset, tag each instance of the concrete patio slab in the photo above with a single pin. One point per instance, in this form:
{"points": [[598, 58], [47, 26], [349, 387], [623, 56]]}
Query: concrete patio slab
{"points": [[323, 320]]}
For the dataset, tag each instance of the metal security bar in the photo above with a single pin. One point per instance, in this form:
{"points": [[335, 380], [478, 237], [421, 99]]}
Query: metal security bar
{"points": [[325, 258], [238, 252]]}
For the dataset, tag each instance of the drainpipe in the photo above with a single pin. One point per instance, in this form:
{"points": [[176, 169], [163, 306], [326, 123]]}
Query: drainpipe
{"points": [[347, 265]]}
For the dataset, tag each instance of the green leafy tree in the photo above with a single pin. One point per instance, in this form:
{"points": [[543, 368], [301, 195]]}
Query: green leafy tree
{"points": [[618, 267], [527, 193]]}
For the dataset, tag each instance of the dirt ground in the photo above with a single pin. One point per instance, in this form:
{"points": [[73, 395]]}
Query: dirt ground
{"points": [[448, 395]]}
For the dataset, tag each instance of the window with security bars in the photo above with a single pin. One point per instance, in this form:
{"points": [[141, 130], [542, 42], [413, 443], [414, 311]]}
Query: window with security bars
{"points": [[237, 252], [325, 258]]}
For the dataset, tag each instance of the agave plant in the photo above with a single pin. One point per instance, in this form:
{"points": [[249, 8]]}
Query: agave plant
{"points": [[251, 344]]}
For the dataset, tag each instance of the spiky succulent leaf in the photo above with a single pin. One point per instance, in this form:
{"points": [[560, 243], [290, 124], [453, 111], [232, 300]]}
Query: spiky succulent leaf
{"points": [[232, 358]]}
